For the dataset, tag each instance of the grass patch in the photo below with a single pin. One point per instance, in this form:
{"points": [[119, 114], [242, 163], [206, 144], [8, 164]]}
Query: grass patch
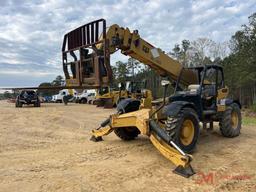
{"points": [[253, 107], [249, 120]]}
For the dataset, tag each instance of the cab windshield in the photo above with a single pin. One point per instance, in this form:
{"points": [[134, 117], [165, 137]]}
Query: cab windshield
{"points": [[103, 90], [187, 80]]}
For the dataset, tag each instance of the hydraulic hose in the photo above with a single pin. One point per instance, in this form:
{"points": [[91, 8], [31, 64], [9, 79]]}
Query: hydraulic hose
{"points": [[163, 135]]}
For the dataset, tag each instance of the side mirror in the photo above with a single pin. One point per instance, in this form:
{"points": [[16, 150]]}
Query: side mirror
{"points": [[165, 83]]}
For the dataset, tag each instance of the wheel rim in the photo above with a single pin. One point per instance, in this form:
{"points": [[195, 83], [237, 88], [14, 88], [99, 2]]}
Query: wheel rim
{"points": [[234, 119], [187, 132]]}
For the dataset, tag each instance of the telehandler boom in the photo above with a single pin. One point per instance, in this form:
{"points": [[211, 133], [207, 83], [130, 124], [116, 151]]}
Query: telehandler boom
{"points": [[173, 125], [86, 54]]}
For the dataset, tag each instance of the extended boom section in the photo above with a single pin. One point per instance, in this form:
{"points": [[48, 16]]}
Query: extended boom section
{"points": [[86, 54]]}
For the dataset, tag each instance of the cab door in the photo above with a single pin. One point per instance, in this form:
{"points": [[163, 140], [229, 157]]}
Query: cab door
{"points": [[222, 91], [209, 89]]}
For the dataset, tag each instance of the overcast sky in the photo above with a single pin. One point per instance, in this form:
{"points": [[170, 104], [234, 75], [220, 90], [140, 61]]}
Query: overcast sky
{"points": [[31, 32]]}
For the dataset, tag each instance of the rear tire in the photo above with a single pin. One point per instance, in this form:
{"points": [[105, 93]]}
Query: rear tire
{"points": [[83, 101], [127, 133], [184, 129], [230, 123]]}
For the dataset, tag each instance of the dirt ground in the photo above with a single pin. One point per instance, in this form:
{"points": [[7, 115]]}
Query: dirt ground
{"points": [[48, 149]]}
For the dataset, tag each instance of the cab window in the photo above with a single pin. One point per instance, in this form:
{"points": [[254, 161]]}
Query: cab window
{"points": [[220, 82], [210, 77]]}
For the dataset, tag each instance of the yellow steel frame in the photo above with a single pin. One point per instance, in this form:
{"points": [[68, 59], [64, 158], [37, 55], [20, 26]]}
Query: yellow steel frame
{"points": [[169, 152], [140, 119], [222, 94]]}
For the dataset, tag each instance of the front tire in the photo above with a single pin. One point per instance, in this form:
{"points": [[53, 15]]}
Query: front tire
{"points": [[18, 104], [230, 123], [184, 129]]}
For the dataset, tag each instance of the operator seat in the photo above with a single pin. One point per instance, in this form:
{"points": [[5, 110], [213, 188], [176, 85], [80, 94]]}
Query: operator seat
{"points": [[193, 88], [209, 96]]}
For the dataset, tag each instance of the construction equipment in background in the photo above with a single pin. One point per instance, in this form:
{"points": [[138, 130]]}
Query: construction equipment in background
{"points": [[200, 94], [108, 97], [138, 91], [64, 96]]}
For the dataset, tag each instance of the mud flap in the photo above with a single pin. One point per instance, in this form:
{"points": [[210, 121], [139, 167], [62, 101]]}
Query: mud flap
{"points": [[184, 171]]}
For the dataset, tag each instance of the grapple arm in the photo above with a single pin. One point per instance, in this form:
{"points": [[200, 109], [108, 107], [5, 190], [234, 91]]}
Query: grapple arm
{"points": [[86, 54]]}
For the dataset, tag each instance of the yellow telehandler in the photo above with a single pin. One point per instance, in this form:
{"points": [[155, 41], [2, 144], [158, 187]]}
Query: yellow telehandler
{"points": [[109, 97], [172, 126]]}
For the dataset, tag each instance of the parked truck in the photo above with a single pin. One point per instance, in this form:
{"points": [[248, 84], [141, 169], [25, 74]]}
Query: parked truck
{"points": [[87, 96], [58, 98]]}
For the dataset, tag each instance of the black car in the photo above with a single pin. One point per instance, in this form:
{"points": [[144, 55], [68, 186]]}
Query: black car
{"points": [[27, 97]]}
